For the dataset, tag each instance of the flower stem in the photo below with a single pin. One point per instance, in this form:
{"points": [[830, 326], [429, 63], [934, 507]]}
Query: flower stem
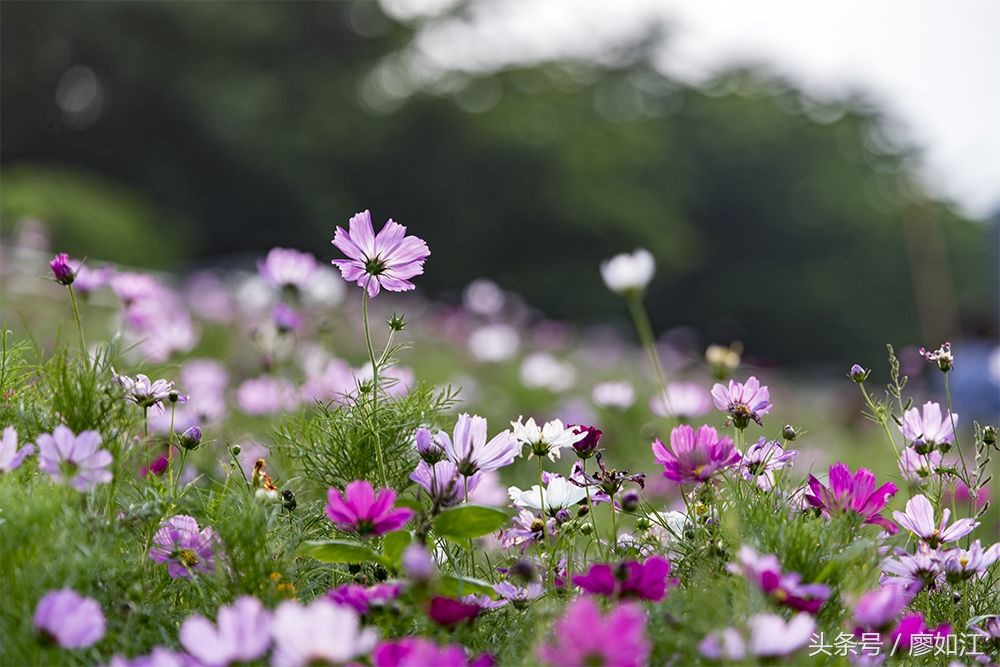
{"points": [[881, 418], [170, 450], [614, 527], [645, 330], [375, 368], [79, 322]]}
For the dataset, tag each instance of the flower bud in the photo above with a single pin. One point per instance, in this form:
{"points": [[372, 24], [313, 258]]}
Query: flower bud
{"points": [[858, 373], [586, 529], [191, 438], [563, 515], [990, 435], [61, 270], [642, 524], [587, 446], [396, 322], [789, 433], [630, 501], [236, 450], [427, 447]]}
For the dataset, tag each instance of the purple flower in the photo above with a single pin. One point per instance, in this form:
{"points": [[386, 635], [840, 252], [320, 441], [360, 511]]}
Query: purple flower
{"points": [[696, 456], [587, 446], [10, 456], [583, 636], [724, 644], [266, 395], [420, 652], [526, 529], [428, 447], [942, 357], [359, 510], [858, 373], [929, 429], [62, 272], [70, 619], [762, 459], [386, 261], [877, 610], [786, 589], [417, 563], [90, 280], [76, 459], [285, 267], [682, 400], [448, 612], [144, 392], [772, 636], [470, 451], [915, 571], [919, 520], [962, 564], [184, 547], [644, 581], [913, 624], [443, 483], [917, 468], [286, 319], [853, 493], [321, 633], [190, 438], [742, 401], [242, 634], [516, 595], [364, 598]]}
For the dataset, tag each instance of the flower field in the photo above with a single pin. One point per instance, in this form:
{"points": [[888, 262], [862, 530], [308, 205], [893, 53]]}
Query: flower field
{"points": [[309, 464]]}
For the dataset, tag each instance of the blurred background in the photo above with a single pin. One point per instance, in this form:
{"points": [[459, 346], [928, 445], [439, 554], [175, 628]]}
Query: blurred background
{"points": [[815, 181]]}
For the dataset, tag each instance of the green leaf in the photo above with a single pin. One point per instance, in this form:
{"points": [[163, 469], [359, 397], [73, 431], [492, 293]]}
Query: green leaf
{"points": [[455, 587], [467, 521], [411, 503], [393, 545], [337, 551]]}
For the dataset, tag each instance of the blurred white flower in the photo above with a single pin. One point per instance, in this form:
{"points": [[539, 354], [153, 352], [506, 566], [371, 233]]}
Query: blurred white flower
{"points": [[494, 342], [483, 297], [541, 370], [616, 394], [629, 272], [683, 400]]}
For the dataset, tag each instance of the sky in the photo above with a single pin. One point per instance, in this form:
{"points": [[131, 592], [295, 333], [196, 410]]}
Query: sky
{"points": [[933, 66]]}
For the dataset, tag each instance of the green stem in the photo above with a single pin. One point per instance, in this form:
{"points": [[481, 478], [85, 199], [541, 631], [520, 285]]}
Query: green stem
{"points": [[170, 451], [79, 322], [375, 369], [645, 331], [961, 456], [614, 527], [881, 419], [590, 506]]}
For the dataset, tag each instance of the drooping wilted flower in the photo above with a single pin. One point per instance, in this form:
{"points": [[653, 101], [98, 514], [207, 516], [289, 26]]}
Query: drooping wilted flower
{"points": [[559, 494], [69, 619], [942, 357], [743, 401], [681, 400], [928, 429], [387, 261], [784, 588], [629, 272], [184, 547], [644, 581], [853, 493], [241, 634], [360, 510], [607, 481], [319, 633], [762, 459], [62, 271], [584, 636], [10, 456], [470, 451], [919, 520], [74, 459], [546, 440], [285, 267], [694, 456]]}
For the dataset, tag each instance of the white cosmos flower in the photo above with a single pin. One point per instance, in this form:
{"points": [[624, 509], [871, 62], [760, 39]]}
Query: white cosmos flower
{"points": [[614, 394], [559, 494], [546, 440], [628, 272]]}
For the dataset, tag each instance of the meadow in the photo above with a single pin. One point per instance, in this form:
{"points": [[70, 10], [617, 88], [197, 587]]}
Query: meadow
{"points": [[312, 464]]}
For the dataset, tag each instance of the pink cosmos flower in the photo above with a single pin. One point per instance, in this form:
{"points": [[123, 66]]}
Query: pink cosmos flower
{"points": [[71, 620], [443, 483], [145, 393], [76, 459], [696, 455], [928, 428], [62, 272], [786, 589], [10, 456], [853, 493], [877, 610], [266, 395], [902, 636], [184, 547], [961, 564], [470, 451], [360, 510], [448, 612], [772, 636], [644, 581], [285, 267], [386, 261], [363, 598], [420, 652], [762, 459], [742, 401], [242, 634], [915, 571], [90, 280], [919, 520], [583, 636], [918, 468], [320, 633]]}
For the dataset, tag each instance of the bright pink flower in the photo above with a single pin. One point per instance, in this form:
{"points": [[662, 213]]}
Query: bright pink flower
{"points": [[645, 581], [876, 610], [62, 271], [387, 261], [853, 493], [788, 589], [360, 510], [364, 598], [696, 456], [420, 652], [913, 624], [743, 401], [447, 611], [583, 636]]}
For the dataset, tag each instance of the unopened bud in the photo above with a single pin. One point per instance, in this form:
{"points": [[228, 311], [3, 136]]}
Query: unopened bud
{"points": [[789, 433], [191, 438], [858, 373], [630, 501]]}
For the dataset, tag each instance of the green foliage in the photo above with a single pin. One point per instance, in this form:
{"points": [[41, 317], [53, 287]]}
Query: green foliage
{"points": [[337, 551], [468, 521]]}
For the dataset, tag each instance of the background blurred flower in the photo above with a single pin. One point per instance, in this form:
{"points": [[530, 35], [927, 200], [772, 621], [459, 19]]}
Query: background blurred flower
{"points": [[71, 620], [76, 459]]}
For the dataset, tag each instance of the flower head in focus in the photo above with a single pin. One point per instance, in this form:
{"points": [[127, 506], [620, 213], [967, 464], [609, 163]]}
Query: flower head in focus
{"points": [[386, 261], [743, 401], [184, 547], [359, 509]]}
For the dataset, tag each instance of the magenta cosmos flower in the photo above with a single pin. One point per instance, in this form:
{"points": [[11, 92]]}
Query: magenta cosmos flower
{"points": [[420, 652], [62, 270], [585, 637], [919, 520], [386, 261], [241, 634], [75, 459], [853, 493], [742, 401], [645, 581], [877, 611], [787, 589], [69, 619], [696, 455], [360, 510], [10, 456], [363, 598], [285, 267], [183, 546]]}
